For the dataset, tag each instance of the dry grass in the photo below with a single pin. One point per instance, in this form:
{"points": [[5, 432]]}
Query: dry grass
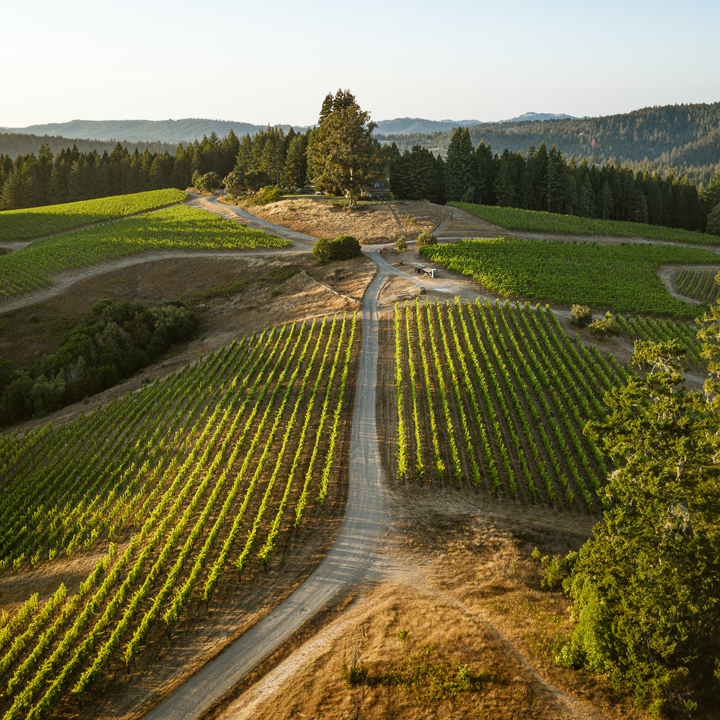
{"points": [[457, 576], [371, 224]]}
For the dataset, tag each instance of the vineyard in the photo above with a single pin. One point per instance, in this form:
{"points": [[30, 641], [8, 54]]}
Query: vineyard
{"points": [[663, 330], [621, 278], [16, 225], [698, 284], [186, 487], [494, 398], [174, 228], [544, 222]]}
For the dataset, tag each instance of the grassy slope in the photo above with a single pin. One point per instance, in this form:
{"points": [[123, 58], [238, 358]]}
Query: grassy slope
{"points": [[174, 228], [17, 225], [534, 221]]}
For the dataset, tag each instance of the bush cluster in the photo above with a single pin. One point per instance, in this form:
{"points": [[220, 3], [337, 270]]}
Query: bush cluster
{"points": [[266, 195], [111, 342], [604, 327], [426, 238], [209, 182], [713, 221], [581, 315], [341, 248]]}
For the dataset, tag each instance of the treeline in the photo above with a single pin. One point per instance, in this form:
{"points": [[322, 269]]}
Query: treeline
{"points": [[70, 175], [683, 139], [111, 342], [270, 157], [14, 144], [536, 179], [541, 179]]}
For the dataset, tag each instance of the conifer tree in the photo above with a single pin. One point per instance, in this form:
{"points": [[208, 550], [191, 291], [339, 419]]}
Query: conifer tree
{"points": [[460, 169], [343, 153], [646, 586]]}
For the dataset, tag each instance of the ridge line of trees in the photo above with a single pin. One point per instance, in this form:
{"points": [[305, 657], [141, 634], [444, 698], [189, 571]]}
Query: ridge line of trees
{"points": [[536, 179], [541, 179]]}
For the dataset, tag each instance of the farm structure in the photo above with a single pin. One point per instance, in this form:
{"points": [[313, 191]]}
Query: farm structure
{"points": [[425, 270]]}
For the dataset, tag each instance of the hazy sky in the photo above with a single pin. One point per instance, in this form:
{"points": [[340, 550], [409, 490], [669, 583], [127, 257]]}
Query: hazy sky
{"points": [[273, 61]]}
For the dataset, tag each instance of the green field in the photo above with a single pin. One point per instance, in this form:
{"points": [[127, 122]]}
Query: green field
{"points": [[201, 480], [16, 225], [699, 285], [621, 278], [495, 397], [534, 221], [174, 228]]}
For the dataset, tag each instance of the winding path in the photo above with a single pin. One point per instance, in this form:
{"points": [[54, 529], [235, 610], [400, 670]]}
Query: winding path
{"points": [[266, 225], [351, 555]]}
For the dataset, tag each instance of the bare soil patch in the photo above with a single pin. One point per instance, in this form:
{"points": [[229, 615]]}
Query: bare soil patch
{"points": [[461, 223], [457, 576], [371, 224]]}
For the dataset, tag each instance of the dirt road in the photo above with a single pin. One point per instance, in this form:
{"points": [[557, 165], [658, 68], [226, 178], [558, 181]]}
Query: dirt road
{"points": [[254, 220], [348, 560]]}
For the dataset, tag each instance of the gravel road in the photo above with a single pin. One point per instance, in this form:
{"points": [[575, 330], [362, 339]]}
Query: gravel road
{"points": [[348, 560]]}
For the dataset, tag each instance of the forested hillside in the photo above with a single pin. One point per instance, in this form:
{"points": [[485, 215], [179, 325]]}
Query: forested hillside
{"points": [[541, 177], [681, 137], [16, 144], [71, 175]]}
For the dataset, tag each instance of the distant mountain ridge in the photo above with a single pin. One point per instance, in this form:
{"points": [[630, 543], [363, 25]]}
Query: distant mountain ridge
{"points": [[15, 144], [540, 117], [408, 126], [188, 130], [166, 131], [682, 139]]}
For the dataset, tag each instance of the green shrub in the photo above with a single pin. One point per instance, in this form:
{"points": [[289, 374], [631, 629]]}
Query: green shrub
{"points": [[341, 248], [266, 195], [426, 238], [604, 327], [354, 674], [556, 569], [400, 243], [208, 182], [713, 221], [234, 183], [581, 315]]}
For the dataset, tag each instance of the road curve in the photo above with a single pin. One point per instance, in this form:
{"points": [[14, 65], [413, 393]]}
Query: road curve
{"points": [[265, 224], [352, 553]]}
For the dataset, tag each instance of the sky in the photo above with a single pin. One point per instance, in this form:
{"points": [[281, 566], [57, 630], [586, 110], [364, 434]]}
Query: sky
{"points": [[273, 61]]}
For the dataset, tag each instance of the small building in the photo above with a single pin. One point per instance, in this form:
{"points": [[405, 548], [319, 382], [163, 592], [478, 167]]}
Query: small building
{"points": [[378, 191]]}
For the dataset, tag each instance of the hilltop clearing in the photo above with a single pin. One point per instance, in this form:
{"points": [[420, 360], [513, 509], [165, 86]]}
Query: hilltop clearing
{"points": [[371, 224]]}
